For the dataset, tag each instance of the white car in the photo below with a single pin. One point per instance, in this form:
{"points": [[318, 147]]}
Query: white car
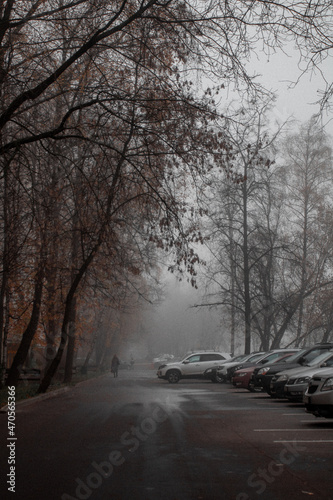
{"points": [[318, 397], [191, 366]]}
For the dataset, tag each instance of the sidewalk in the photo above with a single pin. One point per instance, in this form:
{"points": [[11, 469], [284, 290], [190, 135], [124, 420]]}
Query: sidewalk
{"points": [[52, 392]]}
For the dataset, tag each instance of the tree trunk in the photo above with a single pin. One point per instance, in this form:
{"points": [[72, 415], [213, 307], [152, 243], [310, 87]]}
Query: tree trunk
{"points": [[65, 333], [68, 328], [67, 325], [4, 305], [247, 297], [28, 335], [290, 313], [232, 281], [84, 368], [5, 344], [51, 327], [71, 345]]}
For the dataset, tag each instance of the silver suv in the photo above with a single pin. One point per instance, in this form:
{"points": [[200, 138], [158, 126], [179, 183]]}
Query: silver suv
{"points": [[318, 397], [191, 366]]}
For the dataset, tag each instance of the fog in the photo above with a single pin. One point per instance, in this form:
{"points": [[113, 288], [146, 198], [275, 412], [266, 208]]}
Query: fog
{"points": [[176, 327]]}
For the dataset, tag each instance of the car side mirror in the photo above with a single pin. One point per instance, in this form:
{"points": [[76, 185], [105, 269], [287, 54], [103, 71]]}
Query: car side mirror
{"points": [[186, 362], [302, 361]]}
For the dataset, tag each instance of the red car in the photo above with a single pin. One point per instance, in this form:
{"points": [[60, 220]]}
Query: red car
{"points": [[242, 377]]}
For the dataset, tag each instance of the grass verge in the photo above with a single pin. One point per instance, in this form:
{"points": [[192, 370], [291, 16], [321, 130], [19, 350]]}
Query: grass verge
{"points": [[27, 390]]}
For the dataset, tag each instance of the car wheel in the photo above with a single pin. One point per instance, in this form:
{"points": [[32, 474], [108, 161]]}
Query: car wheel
{"points": [[173, 376], [251, 388], [218, 378]]}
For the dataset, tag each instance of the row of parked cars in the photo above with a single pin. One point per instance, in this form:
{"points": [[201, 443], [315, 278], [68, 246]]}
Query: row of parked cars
{"points": [[294, 374]]}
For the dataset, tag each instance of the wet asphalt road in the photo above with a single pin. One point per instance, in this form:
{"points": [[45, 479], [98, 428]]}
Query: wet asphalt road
{"points": [[140, 438]]}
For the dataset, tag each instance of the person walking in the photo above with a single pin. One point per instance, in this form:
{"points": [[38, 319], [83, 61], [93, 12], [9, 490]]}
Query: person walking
{"points": [[115, 365]]}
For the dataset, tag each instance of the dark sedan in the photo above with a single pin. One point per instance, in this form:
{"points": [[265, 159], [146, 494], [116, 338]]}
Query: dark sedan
{"points": [[264, 376], [242, 378], [267, 358]]}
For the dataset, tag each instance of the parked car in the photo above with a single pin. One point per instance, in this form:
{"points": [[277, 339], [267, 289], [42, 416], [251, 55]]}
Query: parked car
{"points": [[217, 373], [222, 371], [298, 378], [270, 374], [318, 397], [162, 359], [242, 378], [191, 366], [268, 357]]}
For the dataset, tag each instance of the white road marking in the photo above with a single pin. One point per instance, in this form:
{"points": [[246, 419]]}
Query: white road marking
{"points": [[305, 441], [315, 421], [297, 415], [291, 430]]}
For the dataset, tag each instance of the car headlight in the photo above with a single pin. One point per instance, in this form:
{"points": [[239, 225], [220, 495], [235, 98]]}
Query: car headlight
{"points": [[241, 374], [328, 384], [239, 367], [282, 378], [302, 380], [209, 371], [263, 371]]}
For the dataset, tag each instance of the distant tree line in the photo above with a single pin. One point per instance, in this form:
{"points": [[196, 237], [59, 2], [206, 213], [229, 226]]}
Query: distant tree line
{"points": [[271, 239]]}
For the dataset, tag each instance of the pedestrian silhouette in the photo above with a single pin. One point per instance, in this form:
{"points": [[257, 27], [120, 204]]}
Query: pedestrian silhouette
{"points": [[115, 365]]}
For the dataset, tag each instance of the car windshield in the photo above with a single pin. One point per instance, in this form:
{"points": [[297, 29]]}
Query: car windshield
{"points": [[261, 357], [256, 356], [238, 358], [295, 356], [319, 359]]}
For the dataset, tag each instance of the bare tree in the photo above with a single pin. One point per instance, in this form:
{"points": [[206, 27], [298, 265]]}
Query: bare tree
{"points": [[308, 160], [273, 263], [115, 77], [235, 218]]}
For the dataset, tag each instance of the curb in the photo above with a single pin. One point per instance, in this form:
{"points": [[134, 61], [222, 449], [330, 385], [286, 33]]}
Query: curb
{"points": [[40, 397]]}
